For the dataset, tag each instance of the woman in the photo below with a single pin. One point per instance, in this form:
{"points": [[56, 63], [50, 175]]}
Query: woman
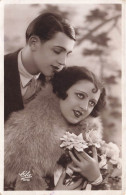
{"points": [[32, 136]]}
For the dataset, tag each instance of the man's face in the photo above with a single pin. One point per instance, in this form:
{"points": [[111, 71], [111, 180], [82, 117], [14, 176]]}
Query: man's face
{"points": [[50, 56]]}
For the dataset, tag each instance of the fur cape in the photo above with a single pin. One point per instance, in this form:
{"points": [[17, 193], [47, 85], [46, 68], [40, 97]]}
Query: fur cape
{"points": [[32, 140]]}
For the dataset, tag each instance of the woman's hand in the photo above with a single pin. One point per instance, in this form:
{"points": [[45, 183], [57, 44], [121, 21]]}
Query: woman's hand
{"points": [[86, 165], [76, 186]]}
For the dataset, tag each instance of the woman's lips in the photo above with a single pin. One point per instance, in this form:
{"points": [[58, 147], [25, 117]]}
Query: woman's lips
{"points": [[77, 113]]}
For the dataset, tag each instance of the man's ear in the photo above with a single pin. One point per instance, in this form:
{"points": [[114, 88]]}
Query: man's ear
{"points": [[34, 42]]}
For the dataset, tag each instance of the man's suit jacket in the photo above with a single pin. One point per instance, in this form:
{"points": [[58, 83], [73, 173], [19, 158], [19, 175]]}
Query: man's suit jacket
{"points": [[12, 92]]}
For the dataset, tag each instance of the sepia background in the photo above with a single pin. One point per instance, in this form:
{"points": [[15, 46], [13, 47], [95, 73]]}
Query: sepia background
{"points": [[98, 47]]}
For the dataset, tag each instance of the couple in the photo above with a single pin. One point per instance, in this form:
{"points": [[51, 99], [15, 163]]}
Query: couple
{"points": [[71, 100]]}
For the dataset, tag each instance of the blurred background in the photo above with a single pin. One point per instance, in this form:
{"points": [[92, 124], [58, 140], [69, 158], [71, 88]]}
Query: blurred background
{"points": [[98, 47]]}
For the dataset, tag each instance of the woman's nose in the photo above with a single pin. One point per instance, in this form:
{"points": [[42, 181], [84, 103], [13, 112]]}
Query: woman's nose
{"points": [[84, 105]]}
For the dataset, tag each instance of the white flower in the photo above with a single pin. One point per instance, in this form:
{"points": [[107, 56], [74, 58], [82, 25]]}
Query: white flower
{"points": [[119, 163], [111, 150], [70, 140], [103, 162], [93, 138]]}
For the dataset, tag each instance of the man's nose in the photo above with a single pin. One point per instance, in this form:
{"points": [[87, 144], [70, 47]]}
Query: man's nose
{"points": [[62, 60], [62, 64]]}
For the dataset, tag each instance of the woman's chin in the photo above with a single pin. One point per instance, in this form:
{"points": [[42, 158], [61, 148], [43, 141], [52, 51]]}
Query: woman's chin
{"points": [[73, 121]]}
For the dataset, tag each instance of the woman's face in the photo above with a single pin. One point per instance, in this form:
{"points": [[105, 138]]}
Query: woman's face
{"points": [[80, 101]]}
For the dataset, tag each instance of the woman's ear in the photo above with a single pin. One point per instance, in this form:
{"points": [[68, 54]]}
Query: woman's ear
{"points": [[34, 42]]}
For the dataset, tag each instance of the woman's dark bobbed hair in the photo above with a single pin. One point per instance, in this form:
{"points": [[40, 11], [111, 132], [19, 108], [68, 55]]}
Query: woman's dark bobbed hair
{"points": [[67, 77]]}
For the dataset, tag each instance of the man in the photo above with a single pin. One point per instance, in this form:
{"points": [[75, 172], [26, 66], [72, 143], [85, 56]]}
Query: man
{"points": [[49, 40]]}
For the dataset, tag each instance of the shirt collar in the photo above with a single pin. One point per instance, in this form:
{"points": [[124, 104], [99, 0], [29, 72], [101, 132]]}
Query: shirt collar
{"points": [[25, 76]]}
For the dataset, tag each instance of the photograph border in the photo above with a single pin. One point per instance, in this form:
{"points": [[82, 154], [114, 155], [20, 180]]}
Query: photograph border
{"points": [[109, 192]]}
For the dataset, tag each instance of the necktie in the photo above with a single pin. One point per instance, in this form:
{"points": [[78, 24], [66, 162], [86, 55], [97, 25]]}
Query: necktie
{"points": [[32, 89]]}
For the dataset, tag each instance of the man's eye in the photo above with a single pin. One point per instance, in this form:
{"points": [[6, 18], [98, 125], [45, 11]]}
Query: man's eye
{"points": [[57, 51], [68, 54], [92, 103], [80, 95]]}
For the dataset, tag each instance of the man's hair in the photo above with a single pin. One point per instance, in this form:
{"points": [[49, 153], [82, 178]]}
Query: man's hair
{"points": [[67, 77], [47, 24]]}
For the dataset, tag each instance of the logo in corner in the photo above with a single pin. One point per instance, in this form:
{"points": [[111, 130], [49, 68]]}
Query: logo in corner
{"points": [[25, 176]]}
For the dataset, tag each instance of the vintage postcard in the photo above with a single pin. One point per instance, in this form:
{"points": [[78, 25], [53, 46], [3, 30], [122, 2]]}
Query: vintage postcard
{"points": [[62, 103]]}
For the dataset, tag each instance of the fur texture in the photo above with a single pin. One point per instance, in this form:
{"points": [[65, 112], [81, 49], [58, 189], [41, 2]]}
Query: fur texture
{"points": [[32, 140]]}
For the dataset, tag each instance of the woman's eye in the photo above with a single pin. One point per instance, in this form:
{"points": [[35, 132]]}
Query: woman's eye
{"points": [[80, 95], [92, 103]]}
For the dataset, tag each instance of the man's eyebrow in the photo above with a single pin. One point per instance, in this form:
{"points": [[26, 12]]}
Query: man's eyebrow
{"points": [[95, 100], [63, 49]]}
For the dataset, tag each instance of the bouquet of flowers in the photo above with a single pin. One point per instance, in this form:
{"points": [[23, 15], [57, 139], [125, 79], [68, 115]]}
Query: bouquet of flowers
{"points": [[108, 158]]}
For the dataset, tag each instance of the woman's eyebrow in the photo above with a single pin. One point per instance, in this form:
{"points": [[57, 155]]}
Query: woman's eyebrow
{"points": [[83, 92], [87, 95]]}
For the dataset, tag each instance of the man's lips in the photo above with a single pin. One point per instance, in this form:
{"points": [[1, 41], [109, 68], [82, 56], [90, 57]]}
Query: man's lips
{"points": [[56, 68], [77, 113]]}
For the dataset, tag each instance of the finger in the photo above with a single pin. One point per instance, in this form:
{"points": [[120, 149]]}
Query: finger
{"points": [[76, 169], [62, 177], [75, 185], [94, 151], [71, 165], [79, 187], [84, 185], [74, 159], [79, 155], [85, 156]]}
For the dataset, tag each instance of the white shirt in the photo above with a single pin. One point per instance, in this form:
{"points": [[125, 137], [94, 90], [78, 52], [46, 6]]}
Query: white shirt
{"points": [[25, 76]]}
